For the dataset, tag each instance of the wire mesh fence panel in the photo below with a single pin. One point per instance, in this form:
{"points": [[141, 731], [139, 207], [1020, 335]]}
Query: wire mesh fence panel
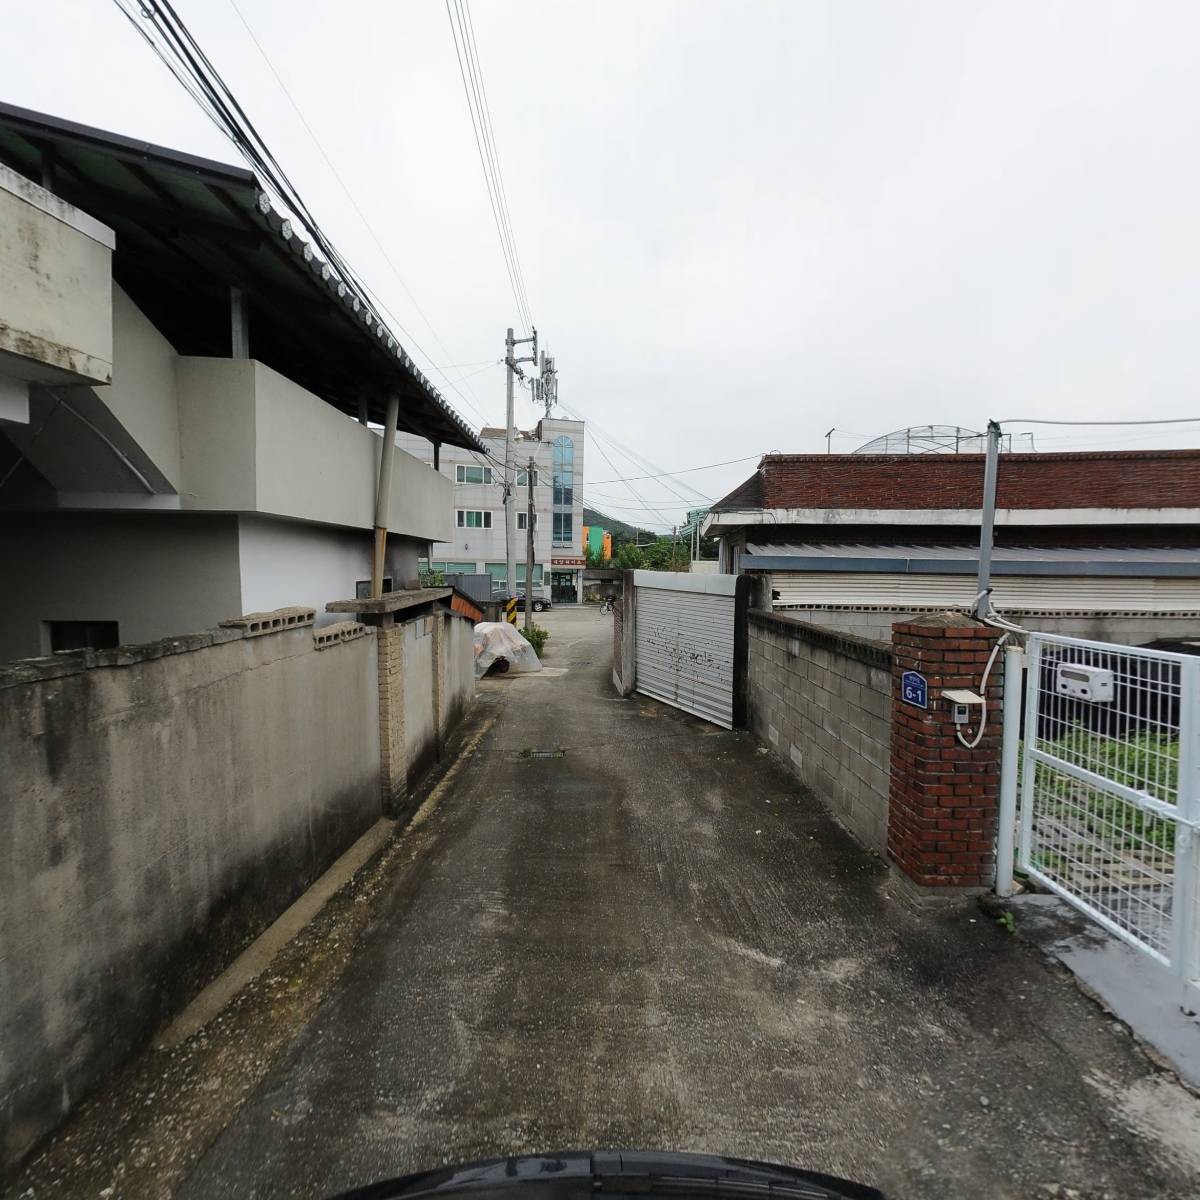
{"points": [[1108, 796]]}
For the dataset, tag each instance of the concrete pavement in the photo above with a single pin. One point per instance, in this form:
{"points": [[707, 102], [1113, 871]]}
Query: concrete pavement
{"points": [[657, 940]]}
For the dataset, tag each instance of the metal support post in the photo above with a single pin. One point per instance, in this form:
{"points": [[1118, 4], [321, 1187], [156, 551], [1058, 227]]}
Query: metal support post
{"points": [[1033, 673], [529, 551], [1185, 922], [987, 521], [383, 493], [1014, 663]]}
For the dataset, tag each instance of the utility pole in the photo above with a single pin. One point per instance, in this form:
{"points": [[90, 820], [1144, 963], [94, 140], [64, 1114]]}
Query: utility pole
{"points": [[674, 545], [511, 370], [529, 551]]}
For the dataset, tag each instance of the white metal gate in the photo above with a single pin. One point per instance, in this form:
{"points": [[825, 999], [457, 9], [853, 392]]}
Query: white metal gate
{"points": [[684, 641], [1110, 790]]}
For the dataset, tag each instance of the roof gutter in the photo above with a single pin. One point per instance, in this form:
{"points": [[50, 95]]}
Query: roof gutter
{"points": [[830, 563]]}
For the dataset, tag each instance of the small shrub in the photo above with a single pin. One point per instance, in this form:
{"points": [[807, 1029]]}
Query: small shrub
{"points": [[536, 637]]}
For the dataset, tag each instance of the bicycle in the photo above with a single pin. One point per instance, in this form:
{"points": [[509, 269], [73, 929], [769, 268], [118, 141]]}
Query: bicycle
{"points": [[606, 606]]}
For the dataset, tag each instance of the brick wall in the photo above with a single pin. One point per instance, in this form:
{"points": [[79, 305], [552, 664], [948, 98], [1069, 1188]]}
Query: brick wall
{"points": [[942, 820], [1120, 479], [822, 701], [392, 755]]}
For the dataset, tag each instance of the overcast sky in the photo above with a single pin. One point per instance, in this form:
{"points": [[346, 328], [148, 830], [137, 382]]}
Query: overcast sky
{"points": [[741, 224]]}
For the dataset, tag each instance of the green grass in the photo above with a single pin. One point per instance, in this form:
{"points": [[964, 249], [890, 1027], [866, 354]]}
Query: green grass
{"points": [[1140, 758]]}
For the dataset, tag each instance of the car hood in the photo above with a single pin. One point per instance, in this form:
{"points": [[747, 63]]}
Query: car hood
{"points": [[577, 1175]]}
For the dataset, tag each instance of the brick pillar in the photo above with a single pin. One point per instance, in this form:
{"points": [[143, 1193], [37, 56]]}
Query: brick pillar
{"points": [[943, 795], [392, 761]]}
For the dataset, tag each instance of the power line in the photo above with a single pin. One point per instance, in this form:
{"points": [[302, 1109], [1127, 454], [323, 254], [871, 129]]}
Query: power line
{"points": [[316, 141], [628, 485], [634, 457], [684, 471], [179, 51], [481, 140], [464, 6]]}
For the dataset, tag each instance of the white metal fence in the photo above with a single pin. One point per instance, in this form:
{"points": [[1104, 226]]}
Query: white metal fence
{"points": [[1110, 789]]}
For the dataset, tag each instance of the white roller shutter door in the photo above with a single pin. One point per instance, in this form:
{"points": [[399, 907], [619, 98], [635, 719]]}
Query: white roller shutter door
{"points": [[684, 644]]}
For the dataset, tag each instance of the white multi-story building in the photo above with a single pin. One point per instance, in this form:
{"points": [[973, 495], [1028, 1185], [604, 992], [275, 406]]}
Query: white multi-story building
{"points": [[556, 448]]}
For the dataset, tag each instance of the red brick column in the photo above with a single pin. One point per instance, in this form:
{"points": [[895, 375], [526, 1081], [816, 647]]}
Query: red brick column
{"points": [[943, 795]]}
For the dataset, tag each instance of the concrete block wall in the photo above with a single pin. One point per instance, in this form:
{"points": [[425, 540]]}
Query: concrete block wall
{"points": [[821, 700], [426, 682], [421, 734], [160, 805], [458, 670]]}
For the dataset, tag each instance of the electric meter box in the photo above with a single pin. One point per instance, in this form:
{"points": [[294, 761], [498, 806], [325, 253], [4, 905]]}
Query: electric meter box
{"points": [[1084, 683]]}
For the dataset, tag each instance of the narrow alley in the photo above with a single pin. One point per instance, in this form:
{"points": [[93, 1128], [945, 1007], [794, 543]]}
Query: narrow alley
{"points": [[627, 928]]}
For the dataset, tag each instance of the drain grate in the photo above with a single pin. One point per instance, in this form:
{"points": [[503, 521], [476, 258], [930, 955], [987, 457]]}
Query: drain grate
{"points": [[542, 753]]}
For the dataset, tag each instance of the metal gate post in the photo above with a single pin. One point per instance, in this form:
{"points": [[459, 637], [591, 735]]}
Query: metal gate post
{"points": [[1014, 660], [1033, 675], [1185, 928]]}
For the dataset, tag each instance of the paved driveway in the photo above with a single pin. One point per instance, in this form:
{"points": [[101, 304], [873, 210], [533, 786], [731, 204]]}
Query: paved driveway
{"points": [[655, 940]]}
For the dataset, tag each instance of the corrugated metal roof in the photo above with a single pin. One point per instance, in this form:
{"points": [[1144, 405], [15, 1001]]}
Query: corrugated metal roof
{"points": [[961, 560]]}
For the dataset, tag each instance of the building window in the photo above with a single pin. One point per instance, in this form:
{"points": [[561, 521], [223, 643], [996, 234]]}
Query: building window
{"points": [[564, 472], [564, 490], [465, 474], [473, 518], [82, 635], [523, 521], [499, 574], [523, 478]]}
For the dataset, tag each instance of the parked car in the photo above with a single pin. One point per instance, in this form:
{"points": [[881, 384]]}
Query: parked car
{"points": [[540, 603]]}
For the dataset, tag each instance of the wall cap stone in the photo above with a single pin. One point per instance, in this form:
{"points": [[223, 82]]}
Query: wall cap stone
{"points": [[945, 624], [257, 623], [866, 650], [337, 633], [74, 662]]}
